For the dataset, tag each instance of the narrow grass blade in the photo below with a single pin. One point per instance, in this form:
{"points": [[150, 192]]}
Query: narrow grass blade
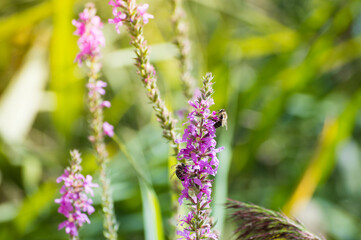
{"points": [[152, 216], [225, 158]]}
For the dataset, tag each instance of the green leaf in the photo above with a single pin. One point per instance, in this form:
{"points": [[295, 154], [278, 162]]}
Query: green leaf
{"points": [[225, 140], [21, 100], [26, 18], [152, 217], [34, 206], [68, 88]]}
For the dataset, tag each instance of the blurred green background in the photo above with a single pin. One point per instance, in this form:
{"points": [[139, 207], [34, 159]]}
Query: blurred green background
{"points": [[285, 71]]}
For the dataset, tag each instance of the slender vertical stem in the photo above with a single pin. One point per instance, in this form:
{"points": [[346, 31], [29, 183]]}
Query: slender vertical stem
{"points": [[134, 22], [182, 41], [197, 224], [74, 237], [147, 72], [91, 39], [96, 124]]}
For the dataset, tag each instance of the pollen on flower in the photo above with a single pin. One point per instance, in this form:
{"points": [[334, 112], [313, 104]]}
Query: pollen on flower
{"points": [[74, 202]]}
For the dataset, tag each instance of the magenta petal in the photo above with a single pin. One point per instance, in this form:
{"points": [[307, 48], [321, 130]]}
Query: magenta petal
{"points": [[200, 156], [198, 182], [74, 203]]}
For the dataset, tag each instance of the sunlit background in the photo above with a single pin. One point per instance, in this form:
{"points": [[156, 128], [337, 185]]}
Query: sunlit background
{"points": [[286, 71]]}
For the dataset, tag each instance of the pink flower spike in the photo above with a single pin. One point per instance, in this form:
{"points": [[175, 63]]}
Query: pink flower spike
{"points": [[91, 38], [106, 104], [108, 129], [74, 202], [116, 3], [119, 17], [200, 157], [142, 11]]}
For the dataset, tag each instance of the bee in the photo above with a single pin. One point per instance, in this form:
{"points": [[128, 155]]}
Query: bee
{"points": [[181, 171], [222, 119]]}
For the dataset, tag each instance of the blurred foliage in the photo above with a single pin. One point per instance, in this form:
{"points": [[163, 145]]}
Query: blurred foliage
{"points": [[285, 70]]}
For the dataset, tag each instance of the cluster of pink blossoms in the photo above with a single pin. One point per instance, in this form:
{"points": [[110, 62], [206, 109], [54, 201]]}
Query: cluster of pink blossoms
{"points": [[120, 17], [91, 39], [96, 89], [74, 202], [200, 157], [88, 27]]}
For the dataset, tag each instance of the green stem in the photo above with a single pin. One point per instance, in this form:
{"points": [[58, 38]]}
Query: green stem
{"points": [[198, 217], [74, 237], [182, 41], [96, 125]]}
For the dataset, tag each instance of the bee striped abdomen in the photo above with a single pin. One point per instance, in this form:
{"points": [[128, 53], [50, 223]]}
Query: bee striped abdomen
{"points": [[218, 124], [181, 171]]}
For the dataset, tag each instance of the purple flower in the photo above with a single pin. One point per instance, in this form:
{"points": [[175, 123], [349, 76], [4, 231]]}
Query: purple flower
{"points": [[200, 157], [135, 12], [118, 19], [98, 87], [74, 202], [88, 27], [142, 12], [108, 129], [116, 3], [106, 104]]}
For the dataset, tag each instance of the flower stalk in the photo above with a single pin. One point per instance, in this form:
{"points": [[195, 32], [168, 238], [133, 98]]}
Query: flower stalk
{"points": [[74, 202], [201, 162], [134, 17], [90, 40], [182, 41]]}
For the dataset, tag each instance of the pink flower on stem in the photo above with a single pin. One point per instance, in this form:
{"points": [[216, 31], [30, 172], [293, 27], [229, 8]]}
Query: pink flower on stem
{"points": [[135, 11], [74, 202], [200, 158], [90, 40], [106, 104], [96, 87], [116, 3], [88, 27], [142, 11], [108, 129], [118, 19]]}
